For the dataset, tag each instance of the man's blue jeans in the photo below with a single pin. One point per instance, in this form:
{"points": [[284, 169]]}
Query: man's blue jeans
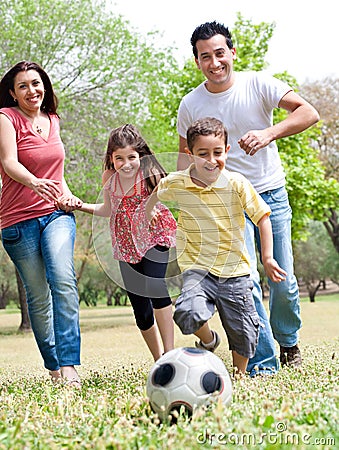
{"points": [[42, 250], [284, 297]]}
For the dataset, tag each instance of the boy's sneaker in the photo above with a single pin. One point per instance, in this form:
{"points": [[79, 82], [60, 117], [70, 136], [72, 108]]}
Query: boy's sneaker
{"points": [[290, 356], [212, 345]]}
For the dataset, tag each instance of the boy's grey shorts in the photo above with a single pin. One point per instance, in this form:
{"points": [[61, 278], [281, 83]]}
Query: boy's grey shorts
{"points": [[202, 292]]}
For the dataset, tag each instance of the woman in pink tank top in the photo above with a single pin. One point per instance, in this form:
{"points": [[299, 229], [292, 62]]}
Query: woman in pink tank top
{"points": [[38, 237]]}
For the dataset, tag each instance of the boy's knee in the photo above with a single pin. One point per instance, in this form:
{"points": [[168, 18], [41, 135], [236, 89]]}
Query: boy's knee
{"points": [[188, 321]]}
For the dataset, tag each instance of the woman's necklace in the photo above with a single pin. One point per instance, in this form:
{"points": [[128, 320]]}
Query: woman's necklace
{"points": [[38, 129]]}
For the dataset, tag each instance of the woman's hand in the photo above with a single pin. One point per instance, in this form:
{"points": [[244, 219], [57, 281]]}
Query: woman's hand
{"points": [[68, 203], [47, 189]]}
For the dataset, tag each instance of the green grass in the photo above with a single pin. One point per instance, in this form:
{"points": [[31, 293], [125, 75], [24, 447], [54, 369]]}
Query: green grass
{"points": [[293, 409]]}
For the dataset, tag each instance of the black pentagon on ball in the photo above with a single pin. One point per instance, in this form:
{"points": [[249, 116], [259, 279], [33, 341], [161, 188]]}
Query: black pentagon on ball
{"points": [[211, 382], [163, 375]]}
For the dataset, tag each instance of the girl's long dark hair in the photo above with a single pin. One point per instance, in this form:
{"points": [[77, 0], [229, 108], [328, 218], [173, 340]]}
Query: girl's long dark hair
{"points": [[129, 135]]}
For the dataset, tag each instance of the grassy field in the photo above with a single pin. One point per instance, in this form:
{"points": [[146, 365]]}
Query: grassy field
{"points": [[293, 409]]}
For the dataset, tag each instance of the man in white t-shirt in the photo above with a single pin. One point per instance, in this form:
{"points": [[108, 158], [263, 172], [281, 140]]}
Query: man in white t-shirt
{"points": [[244, 102]]}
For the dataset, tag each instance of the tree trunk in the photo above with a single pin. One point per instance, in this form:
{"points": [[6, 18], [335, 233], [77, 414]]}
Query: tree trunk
{"points": [[312, 290], [3, 302], [25, 325], [86, 252], [312, 296], [332, 227], [4, 288]]}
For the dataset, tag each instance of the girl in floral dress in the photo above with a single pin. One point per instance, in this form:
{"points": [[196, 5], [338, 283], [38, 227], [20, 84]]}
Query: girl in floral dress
{"points": [[142, 248]]}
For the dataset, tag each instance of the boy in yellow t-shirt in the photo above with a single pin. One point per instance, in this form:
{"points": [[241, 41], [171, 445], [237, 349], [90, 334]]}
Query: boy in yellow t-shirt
{"points": [[211, 249]]}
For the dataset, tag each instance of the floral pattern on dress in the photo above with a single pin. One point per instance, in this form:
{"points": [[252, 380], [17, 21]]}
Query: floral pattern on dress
{"points": [[131, 233]]}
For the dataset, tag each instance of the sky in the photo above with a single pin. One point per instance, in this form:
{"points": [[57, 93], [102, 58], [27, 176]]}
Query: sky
{"points": [[304, 42]]}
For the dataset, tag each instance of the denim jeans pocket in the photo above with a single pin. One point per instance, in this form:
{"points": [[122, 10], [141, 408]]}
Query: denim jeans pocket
{"points": [[10, 235], [279, 195]]}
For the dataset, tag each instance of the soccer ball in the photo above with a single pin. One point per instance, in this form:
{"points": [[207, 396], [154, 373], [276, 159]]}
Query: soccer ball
{"points": [[187, 378]]}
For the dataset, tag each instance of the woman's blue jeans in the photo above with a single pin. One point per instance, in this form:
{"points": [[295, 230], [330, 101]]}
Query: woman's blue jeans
{"points": [[42, 250], [284, 304]]}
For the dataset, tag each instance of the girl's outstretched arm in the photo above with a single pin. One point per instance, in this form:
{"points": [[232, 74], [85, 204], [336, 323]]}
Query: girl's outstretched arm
{"points": [[97, 209], [100, 209]]}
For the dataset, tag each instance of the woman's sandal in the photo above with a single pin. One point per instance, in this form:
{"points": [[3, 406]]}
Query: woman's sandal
{"points": [[70, 377], [58, 378], [55, 376], [73, 382]]}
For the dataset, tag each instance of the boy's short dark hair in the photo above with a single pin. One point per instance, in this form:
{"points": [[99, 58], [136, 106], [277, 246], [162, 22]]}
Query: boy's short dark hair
{"points": [[205, 127], [208, 30]]}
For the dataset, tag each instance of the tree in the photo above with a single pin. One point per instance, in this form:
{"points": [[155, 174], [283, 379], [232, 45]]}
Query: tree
{"points": [[324, 96], [8, 284], [316, 260], [312, 195], [251, 42], [332, 227], [9, 278], [6, 279], [103, 72]]}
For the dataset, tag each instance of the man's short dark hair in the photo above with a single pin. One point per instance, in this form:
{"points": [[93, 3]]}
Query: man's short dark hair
{"points": [[208, 30]]}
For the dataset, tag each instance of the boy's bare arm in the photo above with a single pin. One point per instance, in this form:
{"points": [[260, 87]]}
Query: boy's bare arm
{"points": [[272, 268]]}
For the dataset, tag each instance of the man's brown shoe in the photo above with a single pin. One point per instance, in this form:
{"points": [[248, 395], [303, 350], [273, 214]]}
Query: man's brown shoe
{"points": [[290, 356]]}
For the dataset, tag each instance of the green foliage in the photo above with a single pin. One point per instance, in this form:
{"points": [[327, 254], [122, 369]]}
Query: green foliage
{"points": [[311, 194], [251, 42], [8, 292], [104, 73], [315, 258], [324, 94], [88, 294]]}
